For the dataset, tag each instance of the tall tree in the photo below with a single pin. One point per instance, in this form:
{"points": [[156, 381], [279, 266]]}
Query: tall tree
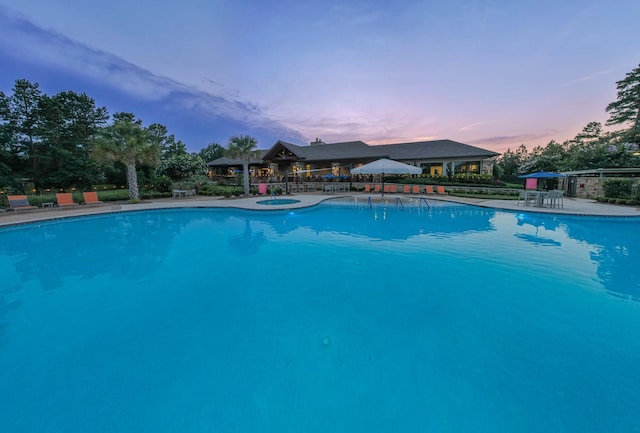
{"points": [[21, 122], [8, 159], [168, 144], [511, 161], [182, 166], [211, 152], [244, 148], [126, 141], [627, 107], [547, 158], [587, 150], [67, 122]]}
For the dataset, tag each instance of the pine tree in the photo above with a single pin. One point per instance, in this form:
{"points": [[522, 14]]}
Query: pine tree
{"points": [[627, 108]]}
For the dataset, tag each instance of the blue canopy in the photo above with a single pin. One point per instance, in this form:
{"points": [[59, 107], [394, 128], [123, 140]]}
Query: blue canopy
{"points": [[541, 175]]}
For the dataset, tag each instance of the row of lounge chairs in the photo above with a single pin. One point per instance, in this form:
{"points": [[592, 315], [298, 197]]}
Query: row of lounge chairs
{"points": [[406, 189], [21, 202]]}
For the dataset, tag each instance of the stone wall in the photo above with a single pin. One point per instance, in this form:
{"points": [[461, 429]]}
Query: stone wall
{"points": [[589, 187]]}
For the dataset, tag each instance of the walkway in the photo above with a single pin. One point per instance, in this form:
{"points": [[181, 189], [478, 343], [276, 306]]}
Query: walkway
{"points": [[572, 206]]}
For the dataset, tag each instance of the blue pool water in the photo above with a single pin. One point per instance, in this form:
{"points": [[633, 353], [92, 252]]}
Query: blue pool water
{"points": [[330, 319], [278, 201]]}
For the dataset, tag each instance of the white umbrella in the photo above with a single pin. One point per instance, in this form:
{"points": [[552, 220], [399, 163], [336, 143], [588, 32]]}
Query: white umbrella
{"points": [[386, 166]]}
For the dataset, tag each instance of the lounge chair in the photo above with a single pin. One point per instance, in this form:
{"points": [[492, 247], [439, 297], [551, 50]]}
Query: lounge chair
{"points": [[393, 189], [522, 197], [65, 199], [428, 189], [440, 190], [406, 189], [19, 202], [376, 188], [91, 198], [387, 188], [554, 199], [416, 189], [367, 188]]}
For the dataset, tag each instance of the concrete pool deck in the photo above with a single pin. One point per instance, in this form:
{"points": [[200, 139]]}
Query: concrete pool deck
{"points": [[572, 206]]}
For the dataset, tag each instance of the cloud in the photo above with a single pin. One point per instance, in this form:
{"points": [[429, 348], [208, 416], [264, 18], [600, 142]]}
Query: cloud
{"points": [[27, 42], [502, 142], [372, 129], [588, 77], [471, 126]]}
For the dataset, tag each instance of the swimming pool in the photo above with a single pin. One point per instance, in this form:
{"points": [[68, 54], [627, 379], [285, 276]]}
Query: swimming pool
{"points": [[278, 201], [335, 318]]}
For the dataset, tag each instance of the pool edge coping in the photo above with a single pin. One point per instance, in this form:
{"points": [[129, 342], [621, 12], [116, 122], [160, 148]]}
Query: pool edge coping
{"points": [[305, 201]]}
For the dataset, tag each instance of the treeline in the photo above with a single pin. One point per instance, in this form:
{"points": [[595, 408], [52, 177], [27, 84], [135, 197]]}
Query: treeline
{"points": [[59, 141], [592, 147], [65, 141]]}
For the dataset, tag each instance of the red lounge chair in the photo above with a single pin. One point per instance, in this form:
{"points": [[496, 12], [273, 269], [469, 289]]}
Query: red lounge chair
{"points": [[429, 189], [393, 189], [91, 198], [367, 188], [19, 202], [416, 189], [65, 199], [406, 189], [441, 190], [376, 188]]}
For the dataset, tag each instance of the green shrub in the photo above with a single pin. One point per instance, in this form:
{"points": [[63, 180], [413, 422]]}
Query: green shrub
{"points": [[154, 194], [618, 188], [611, 200], [621, 201], [223, 190], [114, 195], [162, 184]]}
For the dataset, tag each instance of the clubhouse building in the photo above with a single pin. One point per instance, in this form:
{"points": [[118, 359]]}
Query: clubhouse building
{"points": [[436, 158]]}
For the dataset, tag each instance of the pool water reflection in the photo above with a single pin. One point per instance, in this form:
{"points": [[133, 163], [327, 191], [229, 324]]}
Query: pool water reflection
{"points": [[335, 318]]}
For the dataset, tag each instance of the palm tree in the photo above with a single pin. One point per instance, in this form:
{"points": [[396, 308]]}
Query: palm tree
{"points": [[126, 141], [243, 147]]}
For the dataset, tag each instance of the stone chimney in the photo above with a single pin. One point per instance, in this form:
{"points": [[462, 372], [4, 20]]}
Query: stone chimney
{"points": [[317, 142]]}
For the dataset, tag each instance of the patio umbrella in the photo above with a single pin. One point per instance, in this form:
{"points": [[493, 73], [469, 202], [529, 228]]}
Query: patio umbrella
{"points": [[541, 175], [386, 166]]}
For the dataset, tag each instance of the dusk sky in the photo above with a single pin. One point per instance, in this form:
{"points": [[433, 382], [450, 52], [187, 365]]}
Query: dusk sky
{"points": [[494, 74]]}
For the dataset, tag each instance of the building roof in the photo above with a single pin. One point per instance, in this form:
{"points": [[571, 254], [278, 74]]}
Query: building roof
{"points": [[323, 152], [604, 172], [434, 149], [358, 150]]}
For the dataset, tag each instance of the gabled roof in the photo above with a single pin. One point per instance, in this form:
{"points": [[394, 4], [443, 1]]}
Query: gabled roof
{"points": [[345, 150], [323, 152], [272, 153], [433, 149], [358, 150]]}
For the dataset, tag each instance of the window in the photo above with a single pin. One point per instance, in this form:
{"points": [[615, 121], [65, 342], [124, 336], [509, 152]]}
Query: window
{"points": [[468, 167]]}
